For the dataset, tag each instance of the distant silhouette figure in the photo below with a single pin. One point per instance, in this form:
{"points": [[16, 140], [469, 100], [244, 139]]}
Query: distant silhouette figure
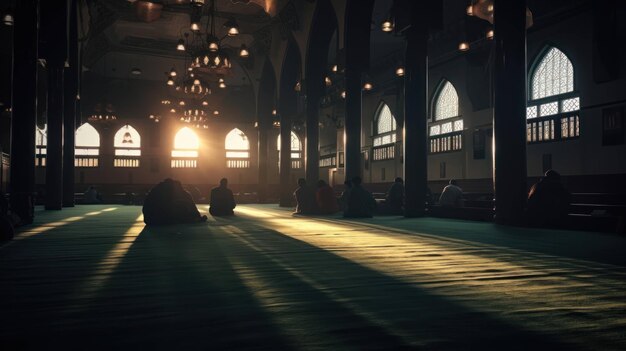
{"points": [[6, 227], [345, 194], [361, 203], [395, 196], [548, 201], [91, 196], [169, 203], [305, 198], [452, 195], [222, 200], [326, 200]]}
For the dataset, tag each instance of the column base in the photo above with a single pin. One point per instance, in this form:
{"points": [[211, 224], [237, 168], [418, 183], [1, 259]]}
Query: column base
{"points": [[22, 204], [414, 213]]}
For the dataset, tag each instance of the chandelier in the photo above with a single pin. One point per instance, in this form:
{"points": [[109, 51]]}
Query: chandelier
{"points": [[103, 112], [205, 48]]}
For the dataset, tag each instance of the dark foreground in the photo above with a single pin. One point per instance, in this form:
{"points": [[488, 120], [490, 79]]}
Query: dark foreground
{"points": [[94, 277]]}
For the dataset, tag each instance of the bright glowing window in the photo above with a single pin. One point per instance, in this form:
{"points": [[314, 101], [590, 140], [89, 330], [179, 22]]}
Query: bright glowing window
{"points": [[186, 145], [385, 132], [296, 150], [447, 102], [237, 148], [553, 102], [87, 146], [554, 75], [41, 142], [446, 130], [127, 144]]}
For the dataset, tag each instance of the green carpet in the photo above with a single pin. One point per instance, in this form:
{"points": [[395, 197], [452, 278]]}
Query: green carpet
{"points": [[93, 277]]}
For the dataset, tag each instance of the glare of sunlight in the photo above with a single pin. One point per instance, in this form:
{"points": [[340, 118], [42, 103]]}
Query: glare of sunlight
{"points": [[186, 139], [29, 232], [484, 277], [112, 259]]}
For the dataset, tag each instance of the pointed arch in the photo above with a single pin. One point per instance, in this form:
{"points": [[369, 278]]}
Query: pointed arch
{"points": [[87, 136], [384, 138], [446, 128], [296, 150], [237, 148], [185, 152], [41, 143], [553, 74], [446, 104], [553, 104], [127, 144], [87, 146], [296, 144]]}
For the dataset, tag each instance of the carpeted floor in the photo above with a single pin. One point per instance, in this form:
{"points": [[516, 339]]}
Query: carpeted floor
{"points": [[93, 277]]}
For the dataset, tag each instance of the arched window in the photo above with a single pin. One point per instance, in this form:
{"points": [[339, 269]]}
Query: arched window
{"points": [[127, 144], [237, 148], [296, 150], [384, 134], [41, 142], [87, 146], [552, 112], [186, 145], [446, 130]]}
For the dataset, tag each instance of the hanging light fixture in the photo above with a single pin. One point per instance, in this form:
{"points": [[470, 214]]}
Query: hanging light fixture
{"points": [[173, 72], [368, 86], [205, 47], [243, 51], [221, 83], [387, 25], [232, 27], [400, 71], [170, 81], [490, 34], [7, 19], [464, 46], [327, 81], [181, 45], [197, 3]]}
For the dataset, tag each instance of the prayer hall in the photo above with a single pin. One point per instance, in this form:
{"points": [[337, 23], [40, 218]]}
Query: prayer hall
{"points": [[454, 175]]}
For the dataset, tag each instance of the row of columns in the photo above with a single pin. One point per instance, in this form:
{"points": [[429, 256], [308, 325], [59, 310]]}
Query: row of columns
{"points": [[509, 98], [43, 31]]}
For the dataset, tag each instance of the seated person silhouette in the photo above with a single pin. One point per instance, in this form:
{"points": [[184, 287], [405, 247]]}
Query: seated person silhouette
{"points": [[361, 203], [326, 200], [6, 227], [394, 199], [452, 195], [548, 201], [169, 203], [222, 200], [305, 199], [345, 194], [91, 196]]}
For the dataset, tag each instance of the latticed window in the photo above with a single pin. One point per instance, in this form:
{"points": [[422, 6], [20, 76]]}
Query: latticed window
{"points": [[446, 130], [237, 149], [186, 145], [296, 151], [41, 142], [447, 103], [87, 149], [384, 134], [552, 112], [127, 144]]}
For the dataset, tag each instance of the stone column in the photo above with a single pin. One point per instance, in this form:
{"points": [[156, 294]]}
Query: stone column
{"points": [[72, 75], [416, 113], [262, 159], [312, 129], [509, 113], [54, 41], [286, 192], [358, 24], [24, 104]]}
